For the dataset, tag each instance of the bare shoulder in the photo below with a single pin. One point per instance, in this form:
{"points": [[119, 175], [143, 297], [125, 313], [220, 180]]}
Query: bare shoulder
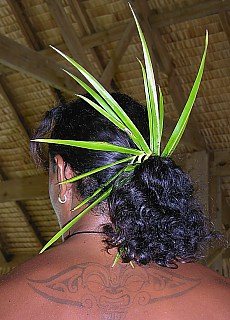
{"points": [[78, 287]]}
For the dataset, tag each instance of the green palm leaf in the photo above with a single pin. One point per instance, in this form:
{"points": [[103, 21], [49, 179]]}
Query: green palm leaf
{"points": [[148, 105], [113, 120], [99, 189], [86, 174], [109, 108], [161, 106], [116, 259], [152, 92], [94, 94], [93, 145], [182, 122], [109, 99], [74, 220]]}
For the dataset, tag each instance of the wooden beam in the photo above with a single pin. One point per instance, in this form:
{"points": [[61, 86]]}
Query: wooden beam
{"points": [[5, 92], [152, 34], [32, 225], [217, 253], [226, 254], [4, 250], [186, 13], [36, 186], [187, 138], [215, 260], [166, 65], [24, 188], [28, 61], [24, 24], [102, 37], [197, 164], [16, 260], [29, 34], [220, 164], [199, 10], [225, 209], [87, 28], [69, 35], [118, 54], [23, 212], [224, 18]]}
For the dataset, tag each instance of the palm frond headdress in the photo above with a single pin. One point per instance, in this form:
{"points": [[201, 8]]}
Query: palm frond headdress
{"points": [[108, 107]]}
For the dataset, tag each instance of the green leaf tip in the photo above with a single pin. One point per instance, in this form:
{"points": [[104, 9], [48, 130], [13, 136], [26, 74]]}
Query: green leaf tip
{"points": [[183, 120], [150, 93]]}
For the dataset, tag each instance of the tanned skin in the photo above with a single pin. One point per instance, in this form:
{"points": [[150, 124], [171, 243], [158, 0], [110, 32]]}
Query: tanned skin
{"points": [[76, 280]]}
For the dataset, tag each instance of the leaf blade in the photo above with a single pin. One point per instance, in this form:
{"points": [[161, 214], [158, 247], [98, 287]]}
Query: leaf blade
{"points": [[148, 105], [110, 100], [99, 189], [161, 111], [93, 93], [88, 173], [93, 145], [77, 218], [182, 122], [151, 87]]}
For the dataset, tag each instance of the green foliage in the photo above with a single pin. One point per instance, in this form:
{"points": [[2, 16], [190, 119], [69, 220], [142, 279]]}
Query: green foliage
{"points": [[182, 122], [108, 107]]}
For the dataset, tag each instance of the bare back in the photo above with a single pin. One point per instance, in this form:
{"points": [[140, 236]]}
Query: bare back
{"points": [[76, 281]]}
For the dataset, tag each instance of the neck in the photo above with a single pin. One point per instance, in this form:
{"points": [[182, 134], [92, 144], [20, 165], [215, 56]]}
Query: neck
{"points": [[83, 232], [92, 222]]}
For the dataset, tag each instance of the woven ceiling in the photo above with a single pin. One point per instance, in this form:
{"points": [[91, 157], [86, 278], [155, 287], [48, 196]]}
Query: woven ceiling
{"points": [[101, 35]]}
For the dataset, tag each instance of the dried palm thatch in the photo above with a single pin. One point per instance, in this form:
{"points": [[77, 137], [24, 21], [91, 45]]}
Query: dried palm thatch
{"points": [[107, 43]]}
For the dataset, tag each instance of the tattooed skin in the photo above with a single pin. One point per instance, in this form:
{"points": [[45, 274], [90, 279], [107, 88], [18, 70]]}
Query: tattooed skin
{"points": [[112, 290]]}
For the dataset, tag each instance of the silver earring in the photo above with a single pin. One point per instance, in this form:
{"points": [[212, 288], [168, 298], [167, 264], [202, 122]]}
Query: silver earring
{"points": [[62, 201]]}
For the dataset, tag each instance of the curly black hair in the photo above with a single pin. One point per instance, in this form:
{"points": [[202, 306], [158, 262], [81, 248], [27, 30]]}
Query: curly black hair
{"points": [[154, 214]]}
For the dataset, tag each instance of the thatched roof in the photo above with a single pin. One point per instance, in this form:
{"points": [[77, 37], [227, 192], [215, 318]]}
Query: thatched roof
{"points": [[100, 34]]}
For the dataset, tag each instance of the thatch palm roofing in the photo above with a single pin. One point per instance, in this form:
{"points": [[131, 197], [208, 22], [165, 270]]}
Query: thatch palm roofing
{"points": [[101, 35]]}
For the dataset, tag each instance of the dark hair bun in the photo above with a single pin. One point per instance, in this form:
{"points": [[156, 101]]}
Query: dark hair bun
{"points": [[155, 216]]}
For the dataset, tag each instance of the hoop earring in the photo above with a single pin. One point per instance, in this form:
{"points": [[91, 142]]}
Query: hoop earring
{"points": [[62, 201]]}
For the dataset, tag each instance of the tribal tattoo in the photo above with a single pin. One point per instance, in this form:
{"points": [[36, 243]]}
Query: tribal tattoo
{"points": [[112, 290]]}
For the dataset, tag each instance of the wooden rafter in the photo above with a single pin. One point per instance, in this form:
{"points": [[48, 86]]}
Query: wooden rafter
{"points": [[37, 186], [32, 226], [36, 65], [226, 254], [23, 212], [87, 28], [102, 37], [24, 188], [166, 65], [118, 54], [220, 164], [5, 93], [16, 260], [187, 13], [69, 35], [30, 35], [4, 250], [24, 23], [218, 253], [224, 18]]}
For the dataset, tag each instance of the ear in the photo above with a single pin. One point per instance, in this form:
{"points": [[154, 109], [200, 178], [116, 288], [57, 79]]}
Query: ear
{"points": [[64, 172]]}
